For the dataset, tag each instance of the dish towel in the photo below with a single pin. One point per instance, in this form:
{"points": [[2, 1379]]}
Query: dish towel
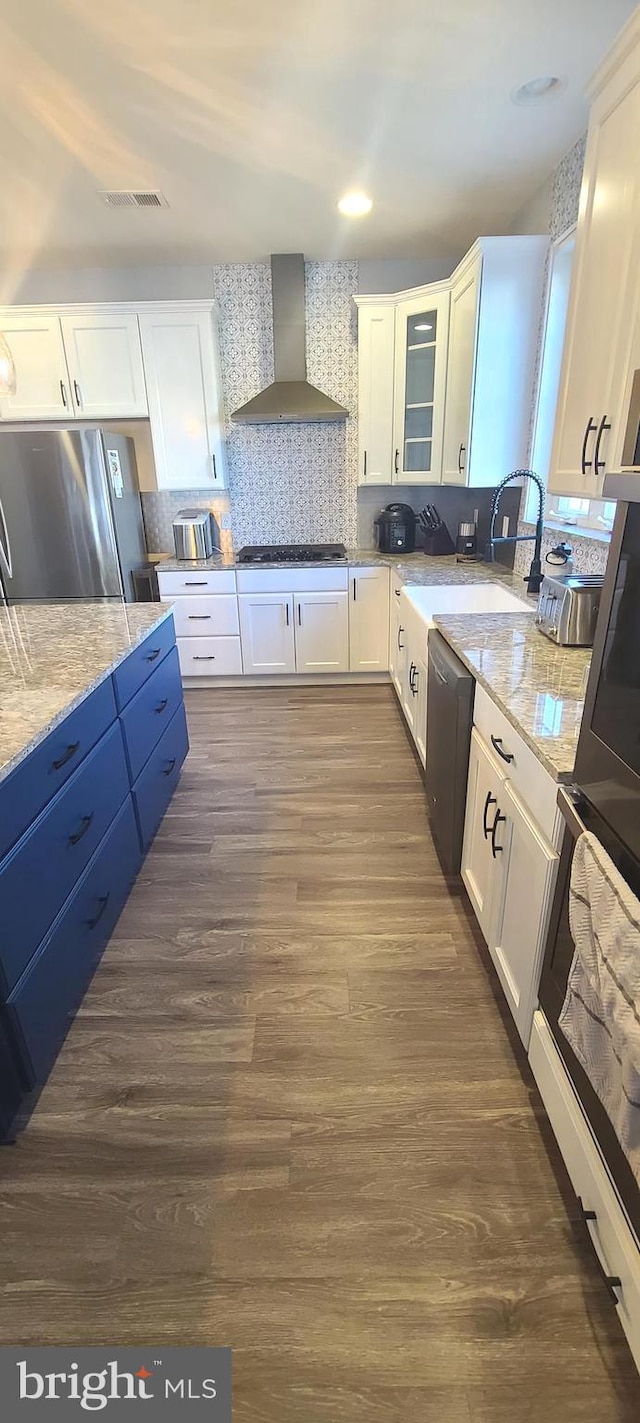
{"points": [[600, 1015]]}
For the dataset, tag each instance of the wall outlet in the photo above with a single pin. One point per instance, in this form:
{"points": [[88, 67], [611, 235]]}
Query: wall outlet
{"points": [[505, 527]]}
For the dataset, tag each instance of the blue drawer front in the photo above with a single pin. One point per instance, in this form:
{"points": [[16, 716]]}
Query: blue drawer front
{"points": [[43, 1003], [42, 869], [146, 718], [155, 786], [12, 1088], [35, 781], [139, 665]]}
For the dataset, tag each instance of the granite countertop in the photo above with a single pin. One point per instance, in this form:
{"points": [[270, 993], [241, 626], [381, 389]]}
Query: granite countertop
{"points": [[52, 655], [539, 687], [412, 568]]}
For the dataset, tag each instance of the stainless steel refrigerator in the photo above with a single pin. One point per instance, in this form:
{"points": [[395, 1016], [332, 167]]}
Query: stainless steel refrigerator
{"points": [[70, 516]]}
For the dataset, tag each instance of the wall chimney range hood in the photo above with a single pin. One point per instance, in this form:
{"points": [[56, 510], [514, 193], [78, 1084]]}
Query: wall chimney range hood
{"points": [[291, 397]]}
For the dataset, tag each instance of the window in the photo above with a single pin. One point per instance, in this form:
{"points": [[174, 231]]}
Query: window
{"points": [[580, 514]]}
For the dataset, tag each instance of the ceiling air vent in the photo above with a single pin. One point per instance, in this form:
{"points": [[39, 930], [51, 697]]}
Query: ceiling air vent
{"points": [[130, 199]]}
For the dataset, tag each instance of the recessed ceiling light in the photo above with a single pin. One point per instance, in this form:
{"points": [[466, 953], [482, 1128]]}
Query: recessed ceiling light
{"points": [[355, 205], [536, 91]]}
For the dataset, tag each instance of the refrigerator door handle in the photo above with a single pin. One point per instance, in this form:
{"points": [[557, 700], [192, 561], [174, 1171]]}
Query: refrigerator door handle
{"points": [[5, 546]]}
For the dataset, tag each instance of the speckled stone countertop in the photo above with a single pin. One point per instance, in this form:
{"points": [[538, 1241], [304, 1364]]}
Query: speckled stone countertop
{"points": [[413, 568], [538, 686], [52, 655]]}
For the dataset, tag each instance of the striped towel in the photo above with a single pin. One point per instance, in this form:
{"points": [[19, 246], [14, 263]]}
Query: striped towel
{"points": [[600, 1015]]}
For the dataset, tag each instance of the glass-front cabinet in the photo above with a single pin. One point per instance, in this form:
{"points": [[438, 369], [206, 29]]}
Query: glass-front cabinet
{"points": [[422, 329]]}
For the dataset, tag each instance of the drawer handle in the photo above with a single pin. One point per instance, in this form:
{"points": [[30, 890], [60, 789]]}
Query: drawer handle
{"points": [[613, 1282], [86, 821], [400, 644], [199, 617], [203, 657], [169, 767], [496, 849], [497, 743], [195, 582], [491, 800], [397, 592], [151, 656], [161, 705], [103, 902], [62, 761]]}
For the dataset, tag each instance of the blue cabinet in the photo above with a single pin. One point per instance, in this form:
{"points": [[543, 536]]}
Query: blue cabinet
{"points": [[142, 661], [147, 716], [156, 783]]}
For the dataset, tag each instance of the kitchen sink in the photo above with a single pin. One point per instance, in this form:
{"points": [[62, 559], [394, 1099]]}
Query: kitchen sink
{"points": [[466, 598]]}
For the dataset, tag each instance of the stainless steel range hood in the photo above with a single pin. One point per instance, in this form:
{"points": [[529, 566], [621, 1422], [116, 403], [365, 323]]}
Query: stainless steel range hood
{"points": [[290, 397]]}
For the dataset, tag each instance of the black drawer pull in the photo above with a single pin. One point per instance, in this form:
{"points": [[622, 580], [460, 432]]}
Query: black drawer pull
{"points": [[151, 656], [590, 430], [597, 462], [497, 743], [86, 821], [195, 582], [491, 800], [496, 849], [397, 592], [613, 1282], [70, 751], [161, 705], [204, 657], [168, 768], [103, 902], [400, 644], [199, 617]]}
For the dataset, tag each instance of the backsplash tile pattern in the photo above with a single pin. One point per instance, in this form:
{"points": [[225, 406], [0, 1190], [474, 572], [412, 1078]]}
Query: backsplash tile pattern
{"points": [[565, 190], [589, 555], [160, 509]]}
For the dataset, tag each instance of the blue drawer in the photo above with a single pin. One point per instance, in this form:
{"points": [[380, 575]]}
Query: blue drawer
{"points": [[138, 666], [155, 786], [147, 716], [45, 1000], [12, 1088], [44, 866], [36, 780]]}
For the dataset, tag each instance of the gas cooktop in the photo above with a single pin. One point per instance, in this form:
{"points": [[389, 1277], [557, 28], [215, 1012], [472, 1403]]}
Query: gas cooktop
{"points": [[291, 553]]}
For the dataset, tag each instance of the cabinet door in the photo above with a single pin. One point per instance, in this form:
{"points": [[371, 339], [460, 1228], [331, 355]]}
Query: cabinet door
{"points": [[420, 703], [398, 649], [322, 632], [42, 380], [517, 935], [376, 335], [602, 281], [266, 628], [480, 865], [368, 619], [183, 386], [463, 321], [104, 358], [422, 331]]}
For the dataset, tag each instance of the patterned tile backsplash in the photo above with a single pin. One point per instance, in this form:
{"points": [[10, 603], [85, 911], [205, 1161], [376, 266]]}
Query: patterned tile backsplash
{"points": [[589, 555], [160, 510]]}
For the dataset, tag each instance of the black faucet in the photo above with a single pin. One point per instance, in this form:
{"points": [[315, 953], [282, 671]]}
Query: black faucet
{"points": [[535, 574]]}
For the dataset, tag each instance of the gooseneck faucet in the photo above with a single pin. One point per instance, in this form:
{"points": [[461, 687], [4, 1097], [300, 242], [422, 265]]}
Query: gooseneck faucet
{"points": [[535, 575]]}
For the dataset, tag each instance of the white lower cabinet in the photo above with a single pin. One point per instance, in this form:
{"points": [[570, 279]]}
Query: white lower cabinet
{"points": [[267, 631], [322, 632], [420, 675], [397, 646], [368, 619], [208, 615], [210, 656], [508, 868]]}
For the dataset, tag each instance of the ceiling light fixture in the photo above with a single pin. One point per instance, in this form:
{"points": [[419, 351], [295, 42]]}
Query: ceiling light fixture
{"points": [[355, 205], [537, 91], [423, 326], [7, 368]]}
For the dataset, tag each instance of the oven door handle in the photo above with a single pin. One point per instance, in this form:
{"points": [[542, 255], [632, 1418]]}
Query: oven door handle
{"points": [[568, 802]]}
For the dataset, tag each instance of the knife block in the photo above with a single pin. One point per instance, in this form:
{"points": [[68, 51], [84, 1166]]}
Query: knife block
{"points": [[438, 542]]}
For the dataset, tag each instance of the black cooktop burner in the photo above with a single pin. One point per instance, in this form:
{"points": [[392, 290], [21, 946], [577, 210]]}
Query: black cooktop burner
{"points": [[291, 553]]}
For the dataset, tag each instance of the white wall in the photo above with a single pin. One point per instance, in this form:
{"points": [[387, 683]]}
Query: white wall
{"points": [[52, 284], [392, 274], [535, 215]]}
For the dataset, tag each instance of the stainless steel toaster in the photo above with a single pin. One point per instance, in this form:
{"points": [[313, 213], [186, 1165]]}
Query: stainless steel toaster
{"points": [[196, 534], [568, 608]]}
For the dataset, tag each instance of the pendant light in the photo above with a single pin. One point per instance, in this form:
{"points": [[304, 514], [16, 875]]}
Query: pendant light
{"points": [[7, 368]]}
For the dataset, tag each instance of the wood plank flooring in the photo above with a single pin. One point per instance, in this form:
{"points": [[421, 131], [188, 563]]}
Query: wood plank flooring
{"points": [[292, 1117]]}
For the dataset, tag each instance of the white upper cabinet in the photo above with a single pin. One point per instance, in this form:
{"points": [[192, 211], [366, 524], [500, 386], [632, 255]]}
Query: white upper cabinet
{"points": [[376, 345], [605, 282], [181, 365], [496, 297], [422, 333], [104, 359], [369, 619], [43, 390]]}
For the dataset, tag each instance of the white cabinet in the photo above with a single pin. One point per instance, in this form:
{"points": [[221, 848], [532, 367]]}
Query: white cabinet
{"points": [[397, 648], [267, 632], [321, 632], [181, 366], [205, 613], [508, 868], [376, 344], [605, 281], [496, 296], [368, 619], [43, 391], [422, 333], [104, 359]]}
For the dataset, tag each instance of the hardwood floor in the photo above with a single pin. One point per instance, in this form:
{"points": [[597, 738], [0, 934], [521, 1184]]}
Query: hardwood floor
{"points": [[291, 1116]]}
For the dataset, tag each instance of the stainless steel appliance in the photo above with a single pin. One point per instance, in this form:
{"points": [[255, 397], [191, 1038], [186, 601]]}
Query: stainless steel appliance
{"points": [[292, 553], [70, 516], [450, 691], [467, 541], [195, 534], [568, 608], [396, 526]]}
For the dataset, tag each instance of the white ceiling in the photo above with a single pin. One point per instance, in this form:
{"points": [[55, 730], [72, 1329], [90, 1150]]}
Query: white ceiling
{"points": [[253, 116]]}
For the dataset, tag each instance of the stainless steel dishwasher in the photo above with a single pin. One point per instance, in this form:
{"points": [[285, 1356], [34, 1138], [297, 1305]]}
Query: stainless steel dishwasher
{"points": [[450, 690]]}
